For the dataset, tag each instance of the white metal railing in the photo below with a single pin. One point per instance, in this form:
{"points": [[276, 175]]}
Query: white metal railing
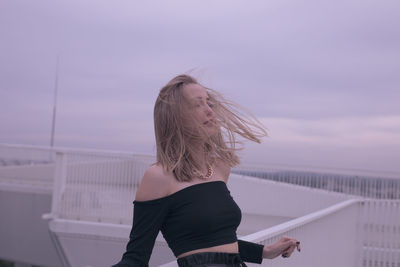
{"points": [[27, 166], [321, 235], [97, 187], [380, 228], [361, 233], [20, 155], [88, 185], [369, 184], [100, 185], [39, 160], [40, 153]]}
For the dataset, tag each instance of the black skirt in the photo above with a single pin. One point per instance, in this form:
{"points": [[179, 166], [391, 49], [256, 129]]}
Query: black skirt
{"points": [[211, 259]]}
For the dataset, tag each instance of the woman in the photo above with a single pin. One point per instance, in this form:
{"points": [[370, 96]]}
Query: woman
{"points": [[184, 194]]}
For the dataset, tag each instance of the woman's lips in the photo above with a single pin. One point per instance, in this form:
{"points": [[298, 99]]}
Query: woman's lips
{"points": [[209, 123]]}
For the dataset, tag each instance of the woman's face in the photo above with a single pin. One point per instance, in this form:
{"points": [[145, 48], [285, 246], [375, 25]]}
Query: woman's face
{"points": [[199, 108]]}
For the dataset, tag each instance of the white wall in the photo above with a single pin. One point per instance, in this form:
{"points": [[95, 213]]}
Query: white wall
{"points": [[264, 197], [24, 235]]}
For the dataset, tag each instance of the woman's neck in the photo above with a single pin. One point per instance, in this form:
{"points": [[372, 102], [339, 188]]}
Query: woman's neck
{"points": [[200, 157]]}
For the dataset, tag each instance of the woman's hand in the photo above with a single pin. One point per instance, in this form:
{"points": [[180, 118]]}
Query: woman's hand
{"points": [[285, 247]]}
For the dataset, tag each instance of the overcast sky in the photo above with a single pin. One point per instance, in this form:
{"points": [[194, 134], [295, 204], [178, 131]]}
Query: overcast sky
{"points": [[323, 76]]}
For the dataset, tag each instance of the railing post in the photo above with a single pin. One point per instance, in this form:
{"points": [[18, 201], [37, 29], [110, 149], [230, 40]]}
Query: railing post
{"points": [[360, 234], [60, 177]]}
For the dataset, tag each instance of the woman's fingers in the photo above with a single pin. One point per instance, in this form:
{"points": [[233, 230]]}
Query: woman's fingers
{"points": [[289, 251], [286, 238], [290, 246]]}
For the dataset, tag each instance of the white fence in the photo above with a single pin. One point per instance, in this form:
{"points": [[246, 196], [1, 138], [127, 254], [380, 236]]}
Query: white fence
{"points": [[100, 186], [322, 236], [380, 228], [87, 185], [93, 187], [379, 185], [18, 155]]}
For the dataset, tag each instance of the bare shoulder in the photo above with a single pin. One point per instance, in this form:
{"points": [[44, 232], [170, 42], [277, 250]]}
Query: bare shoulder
{"points": [[223, 168], [154, 184]]}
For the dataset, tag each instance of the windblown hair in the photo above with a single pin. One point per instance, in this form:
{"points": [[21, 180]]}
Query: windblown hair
{"points": [[176, 141]]}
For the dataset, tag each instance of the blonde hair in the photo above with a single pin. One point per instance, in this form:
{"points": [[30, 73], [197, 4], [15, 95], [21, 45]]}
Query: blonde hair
{"points": [[176, 149]]}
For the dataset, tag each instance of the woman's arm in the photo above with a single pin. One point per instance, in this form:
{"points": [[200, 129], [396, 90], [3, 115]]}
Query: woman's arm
{"points": [[148, 215], [255, 253], [250, 252]]}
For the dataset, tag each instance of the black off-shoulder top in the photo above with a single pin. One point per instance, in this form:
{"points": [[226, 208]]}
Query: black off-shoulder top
{"points": [[199, 216]]}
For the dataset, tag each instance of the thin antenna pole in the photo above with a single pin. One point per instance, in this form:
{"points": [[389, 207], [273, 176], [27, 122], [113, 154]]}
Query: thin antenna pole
{"points": [[53, 125]]}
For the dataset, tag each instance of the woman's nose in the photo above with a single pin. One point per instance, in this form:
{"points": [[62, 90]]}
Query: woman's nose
{"points": [[209, 111]]}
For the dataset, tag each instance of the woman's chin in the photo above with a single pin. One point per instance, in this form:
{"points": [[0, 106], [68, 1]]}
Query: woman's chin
{"points": [[212, 131]]}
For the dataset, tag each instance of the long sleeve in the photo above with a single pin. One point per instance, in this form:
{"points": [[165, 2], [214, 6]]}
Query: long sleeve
{"points": [[148, 216], [250, 252]]}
